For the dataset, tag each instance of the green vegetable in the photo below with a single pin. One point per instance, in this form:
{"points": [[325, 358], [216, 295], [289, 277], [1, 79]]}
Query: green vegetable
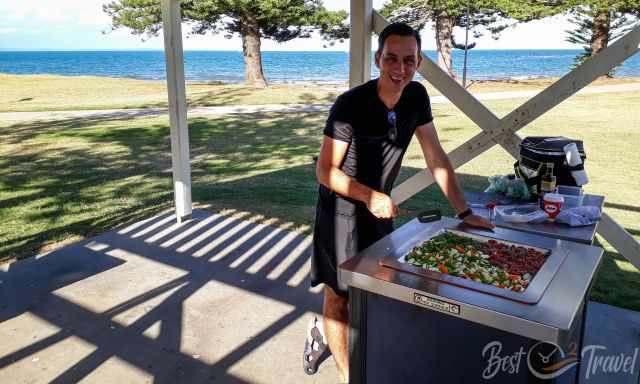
{"points": [[461, 256]]}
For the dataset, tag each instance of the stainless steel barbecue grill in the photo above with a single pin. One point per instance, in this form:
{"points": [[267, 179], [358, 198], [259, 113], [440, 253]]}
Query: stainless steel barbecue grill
{"points": [[395, 305]]}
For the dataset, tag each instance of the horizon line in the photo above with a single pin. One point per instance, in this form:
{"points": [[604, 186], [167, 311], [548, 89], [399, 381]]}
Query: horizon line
{"points": [[239, 51]]}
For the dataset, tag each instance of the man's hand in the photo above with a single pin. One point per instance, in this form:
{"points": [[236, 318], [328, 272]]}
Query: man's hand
{"points": [[381, 206], [478, 221]]}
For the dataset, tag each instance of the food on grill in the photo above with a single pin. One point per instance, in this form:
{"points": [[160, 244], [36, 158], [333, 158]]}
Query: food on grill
{"points": [[514, 259], [502, 265]]}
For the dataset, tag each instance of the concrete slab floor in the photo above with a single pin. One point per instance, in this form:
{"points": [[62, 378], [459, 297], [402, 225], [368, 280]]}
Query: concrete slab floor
{"points": [[218, 299]]}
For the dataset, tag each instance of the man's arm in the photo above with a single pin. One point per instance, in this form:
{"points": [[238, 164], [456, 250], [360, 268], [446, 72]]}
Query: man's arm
{"points": [[442, 171], [329, 174]]}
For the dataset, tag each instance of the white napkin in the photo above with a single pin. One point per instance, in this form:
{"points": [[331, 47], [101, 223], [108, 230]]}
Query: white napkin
{"points": [[579, 216]]}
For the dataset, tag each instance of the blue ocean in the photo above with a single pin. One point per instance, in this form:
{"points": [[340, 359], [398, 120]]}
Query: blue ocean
{"points": [[282, 66]]}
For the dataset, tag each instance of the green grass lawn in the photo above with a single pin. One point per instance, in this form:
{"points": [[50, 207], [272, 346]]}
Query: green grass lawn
{"points": [[65, 180], [29, 93]]}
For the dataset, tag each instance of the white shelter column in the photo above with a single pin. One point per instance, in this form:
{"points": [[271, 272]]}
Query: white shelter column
{"points": [[360, 42], [177, 108]]}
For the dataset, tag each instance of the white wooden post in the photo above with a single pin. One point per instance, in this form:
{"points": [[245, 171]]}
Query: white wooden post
{"points": [[177, 108], [360, 42]]}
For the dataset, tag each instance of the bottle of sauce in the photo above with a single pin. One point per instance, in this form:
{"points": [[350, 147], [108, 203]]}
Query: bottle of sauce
{"points": [[547, 184]]}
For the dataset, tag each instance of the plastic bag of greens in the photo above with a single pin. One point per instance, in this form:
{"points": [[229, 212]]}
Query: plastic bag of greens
{"points": [[518, 189], [510, 186], [497, 184]]}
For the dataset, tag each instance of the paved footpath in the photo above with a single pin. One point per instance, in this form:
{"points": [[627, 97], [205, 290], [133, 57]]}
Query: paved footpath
{"points": [[266, 108]]}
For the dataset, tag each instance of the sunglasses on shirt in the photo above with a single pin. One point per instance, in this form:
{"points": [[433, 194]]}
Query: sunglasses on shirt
{"points": [[393, 132]]}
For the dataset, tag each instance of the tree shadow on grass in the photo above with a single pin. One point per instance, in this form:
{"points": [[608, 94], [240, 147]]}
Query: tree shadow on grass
{"points": [[271, 95], [20, 132], [310, 98], [218, 97], [74, 178], [52, 194]]}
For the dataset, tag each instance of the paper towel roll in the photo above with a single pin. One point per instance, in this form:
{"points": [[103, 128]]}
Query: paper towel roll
{"points": [[573, 159], [573, 156]]}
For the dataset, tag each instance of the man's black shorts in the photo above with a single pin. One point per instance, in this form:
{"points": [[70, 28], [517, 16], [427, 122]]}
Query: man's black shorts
{"points": [[338, 237]]}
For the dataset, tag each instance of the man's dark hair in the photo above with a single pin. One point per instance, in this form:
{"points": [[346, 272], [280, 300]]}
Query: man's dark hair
{"points": [[400, 29]]}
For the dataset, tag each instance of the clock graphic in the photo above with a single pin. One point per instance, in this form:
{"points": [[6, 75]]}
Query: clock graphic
{"points": [[548, 360]]}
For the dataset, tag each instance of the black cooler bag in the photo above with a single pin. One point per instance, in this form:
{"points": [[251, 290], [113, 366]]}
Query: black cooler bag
{"points": [[538, 151]]}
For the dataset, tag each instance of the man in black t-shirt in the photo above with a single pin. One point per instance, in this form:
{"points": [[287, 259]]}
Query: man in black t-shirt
{"points": [[366, 135]]}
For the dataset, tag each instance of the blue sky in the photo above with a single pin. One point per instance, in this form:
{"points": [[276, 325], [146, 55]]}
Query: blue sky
{"points": [[80, 24]]}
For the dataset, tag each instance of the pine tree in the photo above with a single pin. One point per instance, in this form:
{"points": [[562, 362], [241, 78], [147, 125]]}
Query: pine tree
{"points": [[252, 20], [492, 16], [598, 24]]}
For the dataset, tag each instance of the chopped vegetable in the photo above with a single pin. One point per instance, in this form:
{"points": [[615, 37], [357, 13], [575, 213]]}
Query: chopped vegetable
{"points": [[505, 266]]}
